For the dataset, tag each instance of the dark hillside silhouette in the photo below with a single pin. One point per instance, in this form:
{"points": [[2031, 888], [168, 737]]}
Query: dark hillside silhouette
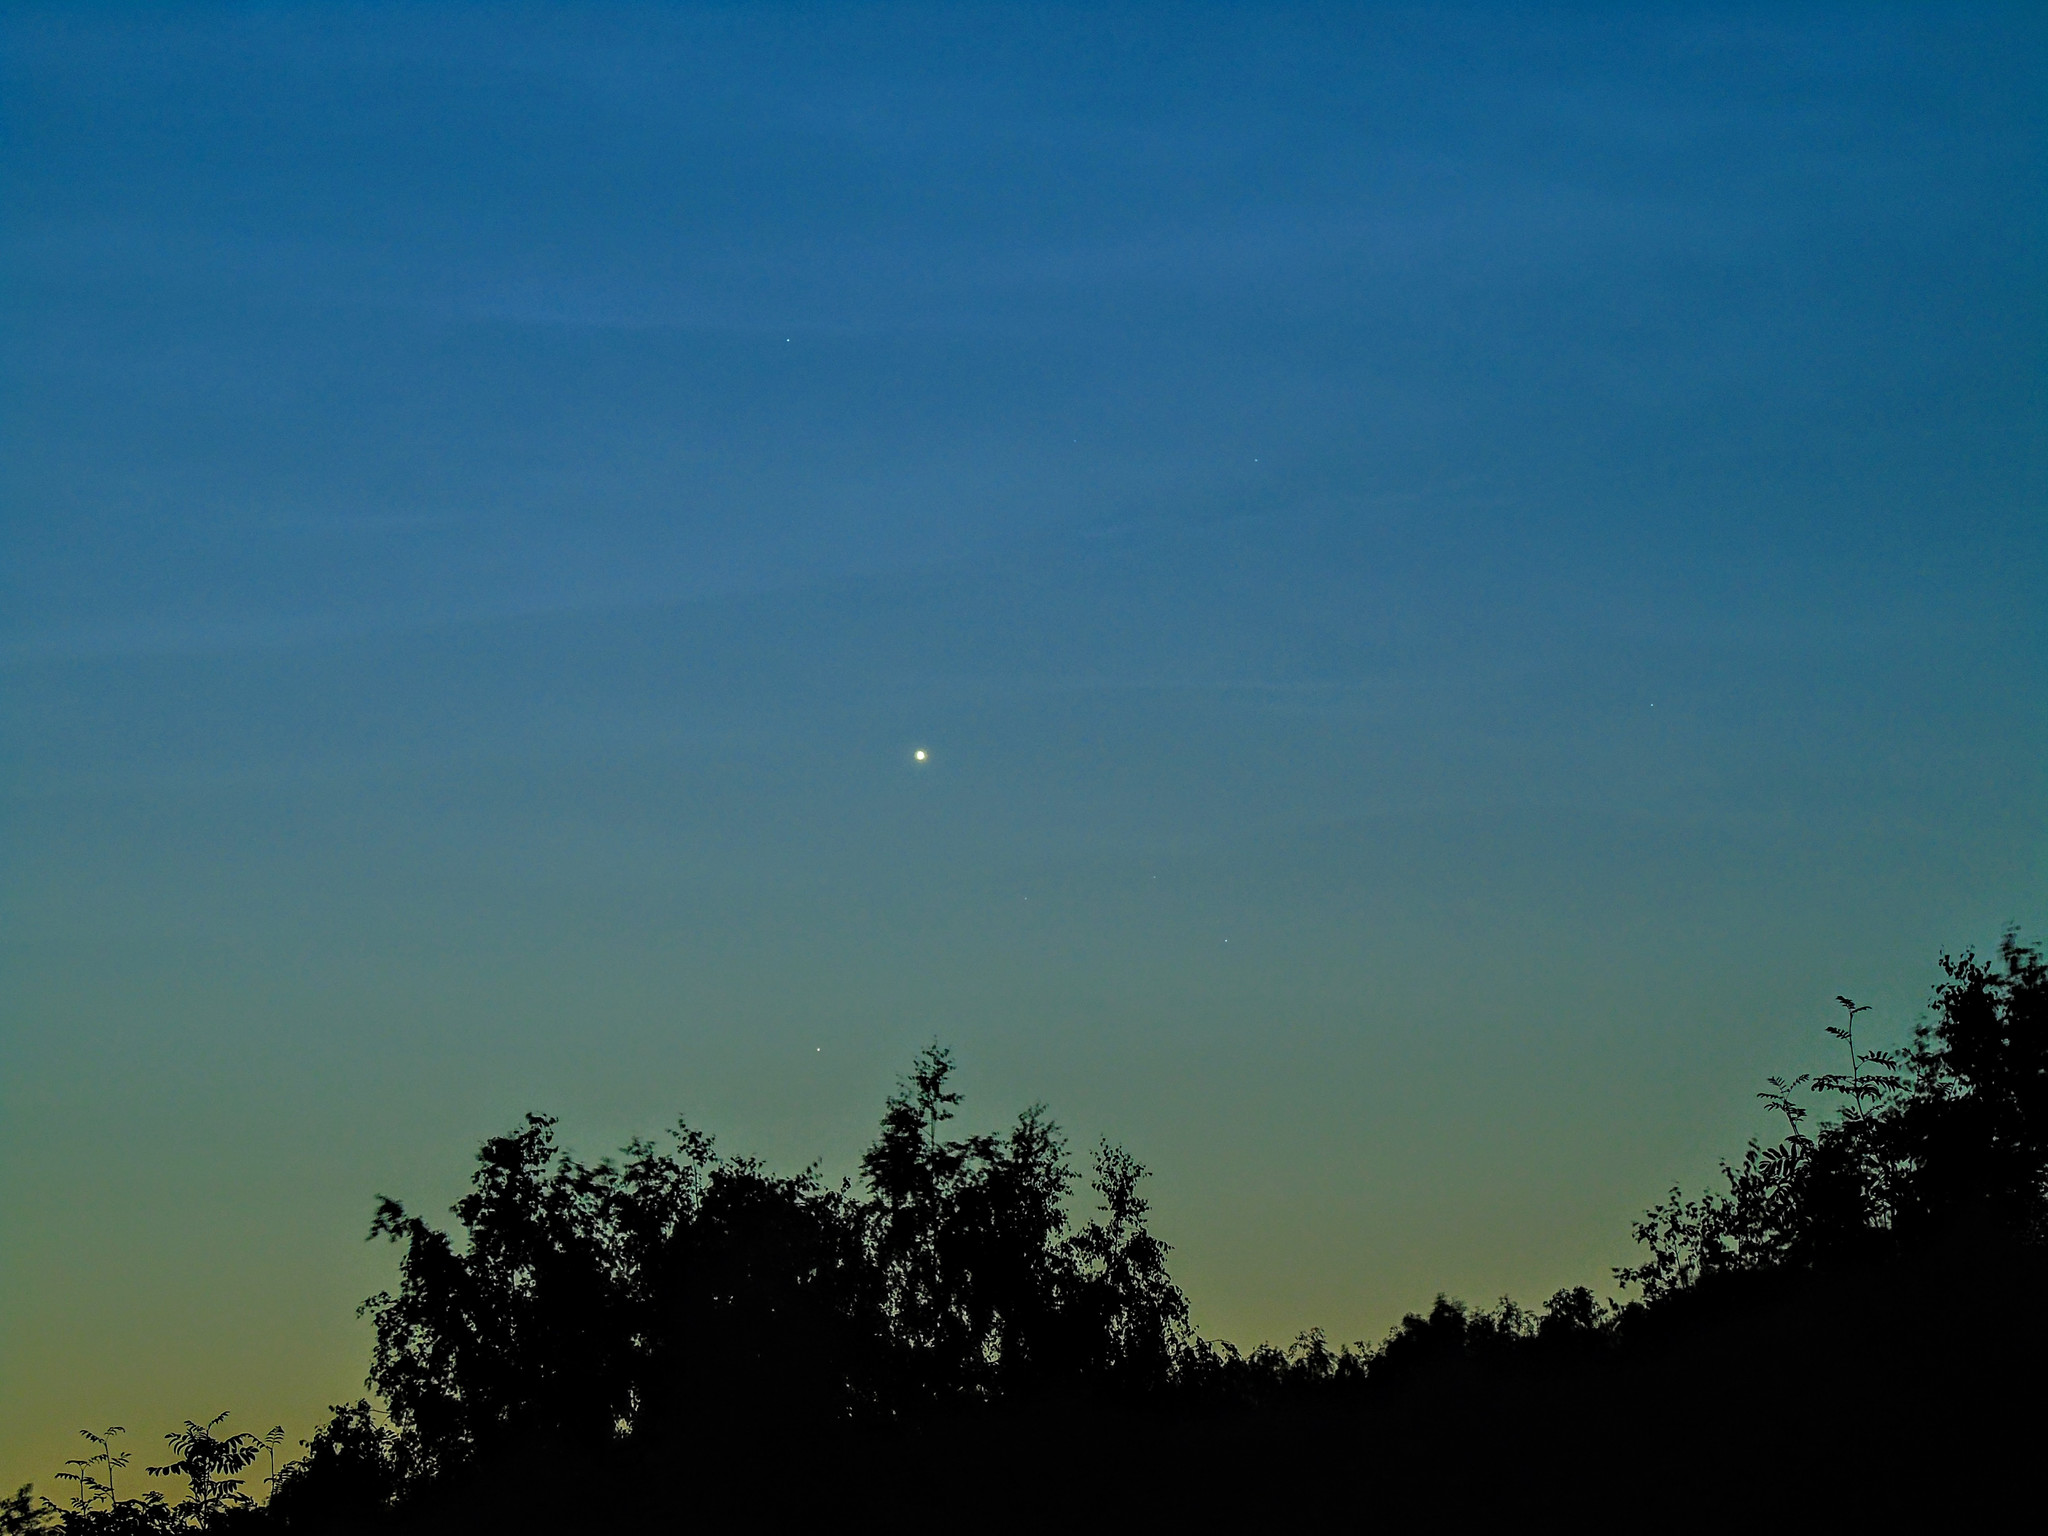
{"points": [[678, 1336]]}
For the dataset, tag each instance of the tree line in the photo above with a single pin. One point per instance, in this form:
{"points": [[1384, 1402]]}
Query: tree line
{"points": [[676, 1312]]}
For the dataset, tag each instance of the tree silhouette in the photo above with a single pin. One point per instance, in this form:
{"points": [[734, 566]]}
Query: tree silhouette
{"points": [[352, 1476], [586, 1303], [592, 1336], [1952, 1134]]}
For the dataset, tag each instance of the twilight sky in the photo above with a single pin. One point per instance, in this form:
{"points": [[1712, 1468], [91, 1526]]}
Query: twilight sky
{"points": [[1461, 573]]}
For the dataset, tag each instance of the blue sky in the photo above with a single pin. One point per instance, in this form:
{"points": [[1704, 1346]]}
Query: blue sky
{"points": [[1461, 573]]}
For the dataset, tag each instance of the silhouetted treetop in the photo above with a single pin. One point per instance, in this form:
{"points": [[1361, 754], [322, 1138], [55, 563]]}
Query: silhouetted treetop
{"points": [[585, 1302], [1949, 1135]]}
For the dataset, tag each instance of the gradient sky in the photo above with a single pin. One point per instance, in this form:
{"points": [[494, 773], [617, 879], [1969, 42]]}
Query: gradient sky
{"points": [[1461, 573]]}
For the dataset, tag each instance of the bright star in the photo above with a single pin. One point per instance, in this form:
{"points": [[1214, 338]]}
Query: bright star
{"points": [[918, 754]]}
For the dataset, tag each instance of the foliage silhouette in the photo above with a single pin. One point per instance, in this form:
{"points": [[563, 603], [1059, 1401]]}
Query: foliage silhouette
{"points": [[599, 1335], [21, 1514], [210, 1463], [1947, 1137], [351, 1477], [591, 1302]]}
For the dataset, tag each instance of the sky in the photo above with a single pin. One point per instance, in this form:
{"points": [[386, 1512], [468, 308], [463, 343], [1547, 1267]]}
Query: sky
{"points": [[1459, 572]]}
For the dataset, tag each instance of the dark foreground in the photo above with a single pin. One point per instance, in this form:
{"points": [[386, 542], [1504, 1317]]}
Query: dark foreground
{"points": [[1853, 1330], [1913, 1392]]}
